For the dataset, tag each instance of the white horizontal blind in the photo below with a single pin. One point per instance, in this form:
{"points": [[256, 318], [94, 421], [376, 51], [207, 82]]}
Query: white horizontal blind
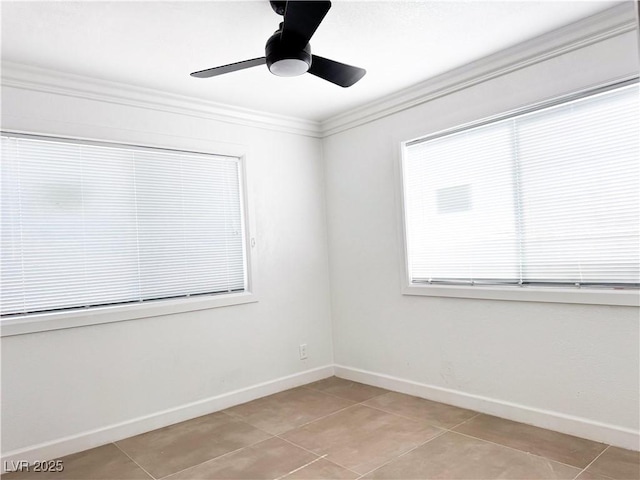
{"points": [[548, 197], [86, 225]]}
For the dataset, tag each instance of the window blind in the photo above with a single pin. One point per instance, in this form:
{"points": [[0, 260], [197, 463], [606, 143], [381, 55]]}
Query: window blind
{"points": [[548, 197], [87, 225]]}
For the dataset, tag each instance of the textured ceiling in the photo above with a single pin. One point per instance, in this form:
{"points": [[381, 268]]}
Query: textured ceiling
{"points": [[157, 44]]}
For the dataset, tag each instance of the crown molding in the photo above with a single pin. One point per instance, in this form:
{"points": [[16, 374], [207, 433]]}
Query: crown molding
{"points": [[612, 22], [607, 24], [27, 77]]}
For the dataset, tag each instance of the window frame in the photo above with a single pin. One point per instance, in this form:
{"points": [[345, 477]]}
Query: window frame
{"points": [[57, 320], [592, 295]]}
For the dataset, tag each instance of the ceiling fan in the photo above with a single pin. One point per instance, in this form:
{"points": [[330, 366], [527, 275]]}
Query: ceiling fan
{"points": [[288, 53]]}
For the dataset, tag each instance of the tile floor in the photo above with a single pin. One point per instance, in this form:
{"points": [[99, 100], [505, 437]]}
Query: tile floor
{"points": [[337, 429]]}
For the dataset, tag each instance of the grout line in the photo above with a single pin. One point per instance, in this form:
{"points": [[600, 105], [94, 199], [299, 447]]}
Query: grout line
{"points": [[317, 419], [219, 456], [451, 429], [332, 395], [439, 434], [303, 466], [323, 456], [210, 460], [397, 414], [592, 461], [129, 456], [416, 419], [444, 430], [344, 398], [293, 443], [278, 435], [517, 449], [362, 403], [240, 419], [227, 413], [300, 446]]}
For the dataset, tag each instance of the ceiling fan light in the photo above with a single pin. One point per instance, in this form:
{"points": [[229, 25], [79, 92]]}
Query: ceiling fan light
{"points": [[289, 67]]}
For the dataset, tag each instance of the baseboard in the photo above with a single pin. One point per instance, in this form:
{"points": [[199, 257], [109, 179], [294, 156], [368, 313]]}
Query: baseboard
{"points": [[111, 433], [578, 426], [581, 427]]}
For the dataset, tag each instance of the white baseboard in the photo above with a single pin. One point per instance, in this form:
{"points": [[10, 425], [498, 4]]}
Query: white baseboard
{"points": [[559, 422], [101, 436], [581, 427]]}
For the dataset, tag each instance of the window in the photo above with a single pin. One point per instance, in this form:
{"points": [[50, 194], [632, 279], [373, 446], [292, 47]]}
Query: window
{"points": [[88, 225], [549, 197]]}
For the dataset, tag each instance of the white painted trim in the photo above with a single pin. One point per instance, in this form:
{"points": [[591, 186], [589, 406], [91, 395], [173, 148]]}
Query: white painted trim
{"points": [[585, 295], [612, 22], [560, 422], [581, 427], [112, 433], [27, 77], [596, 28], [32, 323], [44, 322]]}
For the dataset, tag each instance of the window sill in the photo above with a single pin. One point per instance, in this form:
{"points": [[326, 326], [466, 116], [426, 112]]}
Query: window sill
{"points": [[589, 296], [117, 313]]}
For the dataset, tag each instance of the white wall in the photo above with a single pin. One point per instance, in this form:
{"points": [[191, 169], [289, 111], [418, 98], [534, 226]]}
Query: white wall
{"points": [[68, 382], [577, 360]]}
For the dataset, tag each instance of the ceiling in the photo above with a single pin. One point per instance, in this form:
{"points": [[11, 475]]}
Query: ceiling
{"points": [[157, 44]]}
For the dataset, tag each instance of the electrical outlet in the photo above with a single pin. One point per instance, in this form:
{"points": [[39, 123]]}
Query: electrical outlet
{"points": [[303, 351]]}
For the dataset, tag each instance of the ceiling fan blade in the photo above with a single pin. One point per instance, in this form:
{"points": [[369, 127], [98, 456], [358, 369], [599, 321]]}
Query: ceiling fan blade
{"points": [[232, 67], [301, 19], [335, 72]]}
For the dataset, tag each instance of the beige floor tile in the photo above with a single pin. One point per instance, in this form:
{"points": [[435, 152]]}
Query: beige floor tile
{"points": [[362, 438], [568, 449], [101, 463], [586, 475], [438, 414], [286, 410], [174, 448], [270, 459], [387, 436], [358, 392], [453, 456], [322, 470], [617, 463]]}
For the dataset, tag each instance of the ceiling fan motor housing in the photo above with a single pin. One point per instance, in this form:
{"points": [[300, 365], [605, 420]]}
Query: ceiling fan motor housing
{"points": [[286, 60], [288, 53]]}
